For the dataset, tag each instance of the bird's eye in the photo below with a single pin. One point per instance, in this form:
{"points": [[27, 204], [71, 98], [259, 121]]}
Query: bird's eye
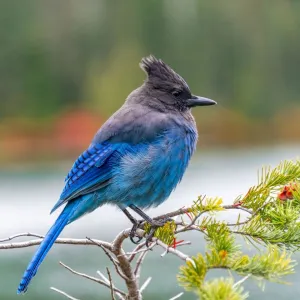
{"points": [[176, 93]]}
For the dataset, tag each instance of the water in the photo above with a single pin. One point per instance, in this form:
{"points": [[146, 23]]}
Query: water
{"points": [[28, 194]]}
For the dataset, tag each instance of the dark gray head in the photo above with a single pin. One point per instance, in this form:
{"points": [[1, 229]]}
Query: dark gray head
{"points": [[165, 89]]}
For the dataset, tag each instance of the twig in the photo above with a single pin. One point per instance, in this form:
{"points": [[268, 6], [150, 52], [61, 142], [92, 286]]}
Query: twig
{"points": [[66, 241], [104, 249], [173, 251], [177, 296], [141, 250], [135, 251], [63, 293], [115, 263], [102, 276], [178, 245], [241, 281], [111, 284], [251, 217], [238, 207], [191, 224], [145, 284], [20, 235], [139, 264], [92, 278], [107, 281]]}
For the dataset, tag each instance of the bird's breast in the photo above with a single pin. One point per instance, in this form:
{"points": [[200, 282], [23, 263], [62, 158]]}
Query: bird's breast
{"points": [[148, 175]]}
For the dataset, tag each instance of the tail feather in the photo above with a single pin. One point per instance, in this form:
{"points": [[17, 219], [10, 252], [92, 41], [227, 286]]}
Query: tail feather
{"points": [[45, 246]]}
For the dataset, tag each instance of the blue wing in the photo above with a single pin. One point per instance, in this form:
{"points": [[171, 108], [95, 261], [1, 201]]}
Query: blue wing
{"points": [[89, 172], [93, 168]]}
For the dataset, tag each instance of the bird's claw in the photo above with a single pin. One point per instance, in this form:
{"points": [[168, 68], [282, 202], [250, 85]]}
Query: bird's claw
{"points": [[133, 234], [154, 225]]}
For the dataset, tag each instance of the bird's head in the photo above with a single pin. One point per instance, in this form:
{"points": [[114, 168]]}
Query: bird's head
{"points": [[168, 88]]}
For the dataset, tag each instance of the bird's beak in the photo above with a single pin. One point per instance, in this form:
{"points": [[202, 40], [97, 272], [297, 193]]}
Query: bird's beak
{"points": [[199, 101]]}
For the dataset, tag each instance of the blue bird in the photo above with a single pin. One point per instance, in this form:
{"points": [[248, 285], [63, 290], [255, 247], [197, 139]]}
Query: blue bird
{"points": [[136, 158]]}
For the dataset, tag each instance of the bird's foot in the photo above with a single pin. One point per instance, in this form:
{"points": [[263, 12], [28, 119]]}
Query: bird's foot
{"points": [[154, 225], [133, 234]]}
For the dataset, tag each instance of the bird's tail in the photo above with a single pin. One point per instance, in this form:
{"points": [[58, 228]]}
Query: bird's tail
{"points": [[46, 244]]}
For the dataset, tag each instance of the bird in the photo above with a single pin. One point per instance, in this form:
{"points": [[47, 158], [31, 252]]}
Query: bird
{"points": [[135, 160]]}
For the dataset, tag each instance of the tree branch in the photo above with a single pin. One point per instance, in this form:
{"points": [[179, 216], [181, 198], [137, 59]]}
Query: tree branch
{"points": [[63, 293], [92, 279], [65, 241], [110, 284], [114, 261], [184, 210]]}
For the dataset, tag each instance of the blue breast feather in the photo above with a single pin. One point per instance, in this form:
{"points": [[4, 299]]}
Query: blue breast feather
{"points": [[148, 177]]}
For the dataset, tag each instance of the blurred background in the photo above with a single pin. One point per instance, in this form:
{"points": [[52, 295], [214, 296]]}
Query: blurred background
{"points": [[67, 65]]}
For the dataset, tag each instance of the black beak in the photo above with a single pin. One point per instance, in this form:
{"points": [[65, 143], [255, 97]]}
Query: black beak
{"points": [[199, 101]]}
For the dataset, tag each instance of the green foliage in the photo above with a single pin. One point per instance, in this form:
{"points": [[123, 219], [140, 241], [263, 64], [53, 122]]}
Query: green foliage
{"points": [[220, 239], [280, 214], [270, 182], [272, 265], [192, 275], [274, 208], [164, 233], [262, 232], [222, 289], [206, 204]]}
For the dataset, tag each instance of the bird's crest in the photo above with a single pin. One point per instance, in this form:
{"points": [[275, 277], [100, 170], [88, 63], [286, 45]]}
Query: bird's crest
{"points": [[158, 71]]}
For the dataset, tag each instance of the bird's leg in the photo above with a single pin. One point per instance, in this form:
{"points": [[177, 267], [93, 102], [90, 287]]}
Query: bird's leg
{"points": [[135, 226], [154, 223], [129, 216]]}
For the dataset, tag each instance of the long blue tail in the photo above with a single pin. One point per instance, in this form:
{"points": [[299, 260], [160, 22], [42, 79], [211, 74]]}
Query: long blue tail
{"points": [[46, 244]]}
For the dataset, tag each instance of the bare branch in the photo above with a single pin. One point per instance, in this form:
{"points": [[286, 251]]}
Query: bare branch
{"points": [[139, 264], [107, 281], [63, 293], [242, 280], [173, 251], [196, 218], [177, 245], [66, 241], [232, 206], [110, 284], [135, 251], [102, 276], [177, 296], [145, 284], [92, 278], [20, 235], [251, 217], [115, 262], [119, 239], [185, 210]]}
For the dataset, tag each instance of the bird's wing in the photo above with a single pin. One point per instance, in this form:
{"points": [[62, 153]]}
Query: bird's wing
{"points": [[125, 131], [89, 172]]}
